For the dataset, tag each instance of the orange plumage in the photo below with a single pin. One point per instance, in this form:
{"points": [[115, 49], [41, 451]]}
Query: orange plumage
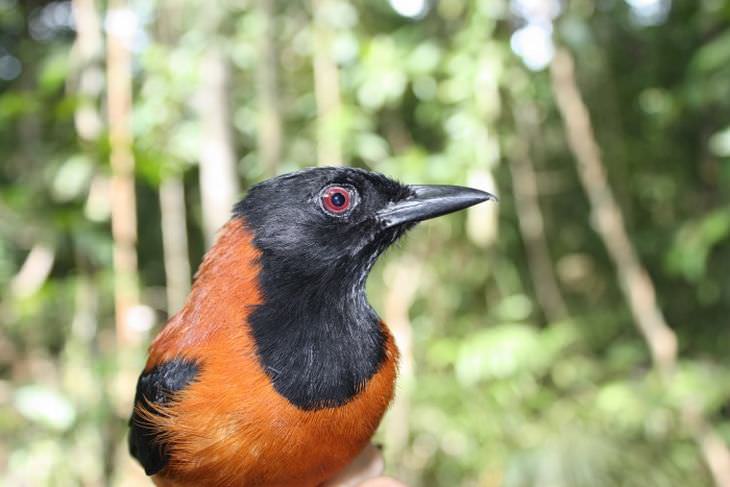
{"points": [[231, 416]]}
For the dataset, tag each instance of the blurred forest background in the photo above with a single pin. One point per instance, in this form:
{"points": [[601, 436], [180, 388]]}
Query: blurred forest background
{"points": [[575, 334]]}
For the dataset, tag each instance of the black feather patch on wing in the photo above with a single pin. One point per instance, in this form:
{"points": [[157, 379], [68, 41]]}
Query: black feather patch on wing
{"points": [[156, 386]]}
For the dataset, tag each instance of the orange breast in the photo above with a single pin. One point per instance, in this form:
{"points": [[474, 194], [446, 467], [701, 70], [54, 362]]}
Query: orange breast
{"points": [[230, 427]]}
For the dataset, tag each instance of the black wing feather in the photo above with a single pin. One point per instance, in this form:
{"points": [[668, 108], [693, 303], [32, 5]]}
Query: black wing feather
{"points": [[156, 386]]}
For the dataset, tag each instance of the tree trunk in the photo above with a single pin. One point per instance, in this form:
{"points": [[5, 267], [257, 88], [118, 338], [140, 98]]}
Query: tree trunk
{"points": [[529, 217], [402, 276], [124, 211], [174, 242], [218, 175], [269, 133], [636, 284], [172, 189], [86, 55], [327, 89]]}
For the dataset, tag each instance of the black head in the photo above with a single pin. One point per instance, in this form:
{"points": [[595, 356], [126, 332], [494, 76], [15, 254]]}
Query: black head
{"points": [[339, 220], [319, 232]]}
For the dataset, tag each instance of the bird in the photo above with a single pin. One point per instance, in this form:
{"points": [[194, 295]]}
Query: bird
{"points": [[277, 371]]}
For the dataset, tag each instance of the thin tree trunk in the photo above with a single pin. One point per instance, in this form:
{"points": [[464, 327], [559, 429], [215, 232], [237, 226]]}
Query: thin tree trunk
{"points": [[482, 221], [636, 284], [78, 361], [218, 175], [174, 242], [124, 212], [172, 189], [81, 346], [327, 89], [86, 54], [269, 133], [529, 217], [402, 278], [607, 217]]}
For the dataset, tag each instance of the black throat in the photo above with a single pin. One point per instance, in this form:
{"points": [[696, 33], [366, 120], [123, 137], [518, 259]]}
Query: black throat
{"points": [[316, 336]]}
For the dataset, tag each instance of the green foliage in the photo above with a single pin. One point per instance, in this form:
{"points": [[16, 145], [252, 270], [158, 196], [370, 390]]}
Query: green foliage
{"points": [[501, 395]]}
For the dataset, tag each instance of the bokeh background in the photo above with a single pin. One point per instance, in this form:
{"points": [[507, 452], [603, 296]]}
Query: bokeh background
{"points": [[574, 334]]}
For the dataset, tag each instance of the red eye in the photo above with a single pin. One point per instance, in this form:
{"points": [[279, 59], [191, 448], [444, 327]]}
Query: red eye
{"points": [[336, 199]]}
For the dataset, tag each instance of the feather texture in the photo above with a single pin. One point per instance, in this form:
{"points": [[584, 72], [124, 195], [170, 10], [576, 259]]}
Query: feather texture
{"points": [[229, 426]]}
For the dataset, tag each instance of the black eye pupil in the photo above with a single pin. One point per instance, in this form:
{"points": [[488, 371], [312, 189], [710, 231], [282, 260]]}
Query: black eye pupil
{"points": [[338, 199]]}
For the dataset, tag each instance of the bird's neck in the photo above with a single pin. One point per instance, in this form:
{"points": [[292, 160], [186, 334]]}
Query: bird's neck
{"points": [[317, 337]]}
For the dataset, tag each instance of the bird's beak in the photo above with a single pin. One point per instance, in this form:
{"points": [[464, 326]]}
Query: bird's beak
{"points": [[430, 201]]}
